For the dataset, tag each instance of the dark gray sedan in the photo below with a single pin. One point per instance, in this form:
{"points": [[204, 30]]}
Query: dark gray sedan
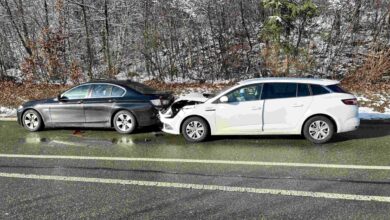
{"points": [[124, 105]]}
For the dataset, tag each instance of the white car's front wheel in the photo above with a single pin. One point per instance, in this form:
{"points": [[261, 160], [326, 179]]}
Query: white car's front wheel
{"points": [[318, 129], [195, 129]]}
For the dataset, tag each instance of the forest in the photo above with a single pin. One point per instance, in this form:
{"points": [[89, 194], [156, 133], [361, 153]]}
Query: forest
{"points": [[71, 41]]}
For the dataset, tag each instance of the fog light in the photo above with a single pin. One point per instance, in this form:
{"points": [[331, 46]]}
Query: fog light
{"points": [[167, 127]]}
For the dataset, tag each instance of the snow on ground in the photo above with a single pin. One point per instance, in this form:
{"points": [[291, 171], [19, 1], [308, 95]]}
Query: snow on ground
{"points": [[369, 114], [7, 112]]}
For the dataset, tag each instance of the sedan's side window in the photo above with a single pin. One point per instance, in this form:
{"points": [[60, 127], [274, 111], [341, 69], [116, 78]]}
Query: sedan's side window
{"points": [[117, 91], [79, 92], [245, 93], [279, 90], [101, 91]]}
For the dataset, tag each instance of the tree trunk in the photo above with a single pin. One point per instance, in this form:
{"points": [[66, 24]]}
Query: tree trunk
{"points": [[89, 49]]}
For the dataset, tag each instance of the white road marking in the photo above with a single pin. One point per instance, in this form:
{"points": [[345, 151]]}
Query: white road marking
{"points": [[173, 160], [201, 187]]}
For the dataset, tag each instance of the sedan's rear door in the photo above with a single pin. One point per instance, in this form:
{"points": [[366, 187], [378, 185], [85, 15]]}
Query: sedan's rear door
{"points": [[98, 107]]}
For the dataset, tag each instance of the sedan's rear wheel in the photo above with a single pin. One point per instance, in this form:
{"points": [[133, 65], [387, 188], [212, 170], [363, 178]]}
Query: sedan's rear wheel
{"points": [[195, 129], [32, 120], [318, 129], [124, 122]]}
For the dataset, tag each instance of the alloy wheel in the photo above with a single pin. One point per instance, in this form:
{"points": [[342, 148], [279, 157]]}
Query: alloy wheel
{"points": [[124, 122], [31, 120]]}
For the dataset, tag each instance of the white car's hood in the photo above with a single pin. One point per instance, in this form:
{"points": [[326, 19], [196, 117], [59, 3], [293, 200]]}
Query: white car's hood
{"points": [[196, 97], [183, 102]]}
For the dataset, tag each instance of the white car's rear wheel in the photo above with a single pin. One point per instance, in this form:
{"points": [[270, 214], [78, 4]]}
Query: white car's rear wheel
{"points": [[195, 129], [318, 129]]}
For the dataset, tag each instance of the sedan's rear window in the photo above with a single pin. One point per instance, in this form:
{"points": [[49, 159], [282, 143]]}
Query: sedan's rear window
{"points": [[337, 88]]}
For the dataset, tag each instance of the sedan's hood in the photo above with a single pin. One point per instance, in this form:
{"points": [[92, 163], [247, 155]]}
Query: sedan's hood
{"points": [[36, 102]]}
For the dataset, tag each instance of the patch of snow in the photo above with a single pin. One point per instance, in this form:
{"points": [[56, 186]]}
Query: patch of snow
{"points": [[370, 114], [7, 112]]}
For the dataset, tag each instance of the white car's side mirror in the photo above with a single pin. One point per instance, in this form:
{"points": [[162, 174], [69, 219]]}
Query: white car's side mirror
{"points": [[223, 99]]}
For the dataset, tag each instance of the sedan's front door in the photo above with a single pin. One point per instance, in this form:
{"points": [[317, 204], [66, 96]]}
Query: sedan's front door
{"points": [[242, 114], [98, 107], [69, 110]]}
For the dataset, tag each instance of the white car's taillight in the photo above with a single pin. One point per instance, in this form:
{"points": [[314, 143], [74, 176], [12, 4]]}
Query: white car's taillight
{"points": [[350, 101]]}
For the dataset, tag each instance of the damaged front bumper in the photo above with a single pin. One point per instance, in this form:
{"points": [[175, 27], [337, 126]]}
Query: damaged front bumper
{"points": [[172, 116]]}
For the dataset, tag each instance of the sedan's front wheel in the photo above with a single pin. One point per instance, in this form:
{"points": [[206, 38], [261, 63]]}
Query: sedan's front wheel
{"points": [[124, 122], [318, 129], [32, 120], [195, 129]]}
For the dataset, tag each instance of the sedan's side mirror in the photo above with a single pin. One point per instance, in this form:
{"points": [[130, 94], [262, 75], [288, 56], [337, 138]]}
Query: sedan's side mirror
{"points": [[61, 98], [223, 99]]}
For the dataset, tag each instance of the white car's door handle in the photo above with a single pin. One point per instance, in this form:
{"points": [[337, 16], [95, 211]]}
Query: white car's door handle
{"points": [[256, 108], [297, 105]]}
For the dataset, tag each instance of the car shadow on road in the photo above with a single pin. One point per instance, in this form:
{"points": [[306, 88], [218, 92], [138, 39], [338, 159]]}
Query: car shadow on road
{"points": [[367, 129], [84, 130]]}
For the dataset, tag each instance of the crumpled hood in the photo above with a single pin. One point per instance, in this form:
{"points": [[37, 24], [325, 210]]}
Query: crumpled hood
{"points": [[185, 101], [196, 97]]}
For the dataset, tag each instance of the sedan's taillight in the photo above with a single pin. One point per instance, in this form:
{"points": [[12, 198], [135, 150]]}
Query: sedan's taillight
{"points": [[160, 102], [350, 101]]}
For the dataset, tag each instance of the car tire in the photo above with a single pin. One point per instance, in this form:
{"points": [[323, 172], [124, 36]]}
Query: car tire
{"points": [[32, 120], [195, 129], [319, 129], [124, 122]]}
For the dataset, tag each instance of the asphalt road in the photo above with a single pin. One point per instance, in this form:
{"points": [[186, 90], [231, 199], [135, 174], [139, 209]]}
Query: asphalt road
{"points": [[100, 174]]}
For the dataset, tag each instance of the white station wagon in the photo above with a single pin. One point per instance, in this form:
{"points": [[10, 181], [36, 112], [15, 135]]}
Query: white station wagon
{"points": [[314, 108]]}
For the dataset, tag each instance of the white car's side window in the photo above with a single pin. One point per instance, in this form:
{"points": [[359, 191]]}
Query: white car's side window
{"points": [[245, 93]]}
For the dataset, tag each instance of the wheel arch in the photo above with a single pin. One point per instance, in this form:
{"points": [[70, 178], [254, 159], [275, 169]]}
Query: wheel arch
{"points": [[189, 116], [320, 114]]}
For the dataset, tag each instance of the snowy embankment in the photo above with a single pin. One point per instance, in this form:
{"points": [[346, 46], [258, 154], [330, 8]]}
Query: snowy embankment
{"points": [[370, 114], [7, 112]]}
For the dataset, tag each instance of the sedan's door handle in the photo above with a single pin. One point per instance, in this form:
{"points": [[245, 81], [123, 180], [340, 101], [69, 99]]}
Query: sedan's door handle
{"points": [[80, 102]]}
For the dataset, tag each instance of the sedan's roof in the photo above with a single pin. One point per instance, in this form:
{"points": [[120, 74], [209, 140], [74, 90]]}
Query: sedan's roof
{"points": [[324, 82], [142, 88]]}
